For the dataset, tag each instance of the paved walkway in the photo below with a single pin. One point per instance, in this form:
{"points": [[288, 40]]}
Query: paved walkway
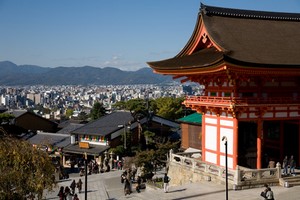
{"points": [[107, 186]]}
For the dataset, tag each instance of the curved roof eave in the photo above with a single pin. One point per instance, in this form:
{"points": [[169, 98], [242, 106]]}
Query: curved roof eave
{"points": [[196, 70], [246, 64], [198, 32], [202, 59]]}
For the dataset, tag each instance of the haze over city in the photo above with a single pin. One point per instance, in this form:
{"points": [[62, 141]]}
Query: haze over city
{"points": [[122, 34]]}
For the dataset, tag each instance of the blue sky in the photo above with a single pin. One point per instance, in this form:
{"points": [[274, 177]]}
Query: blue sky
{"points": [[105, 33]]}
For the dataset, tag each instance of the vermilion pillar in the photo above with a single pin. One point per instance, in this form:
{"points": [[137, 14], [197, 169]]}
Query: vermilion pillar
{"points": [[259, 143]]}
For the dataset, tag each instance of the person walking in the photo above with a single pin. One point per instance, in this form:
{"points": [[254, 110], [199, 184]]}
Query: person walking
{"points": [[79, 185], [264, 192], [166, 183], [292, 165], [285, 165], [269, 194], [68, 195], [61, 193], [73, 186]]}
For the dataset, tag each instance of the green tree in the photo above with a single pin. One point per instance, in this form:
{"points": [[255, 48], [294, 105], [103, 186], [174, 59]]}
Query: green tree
{"points": [[24, 170], [137, 107], [69, 113], [97, 111], [145, 159], [6, 117], [150, 159], [169, 108], [149, 137], [120, 105], [83, 116]]}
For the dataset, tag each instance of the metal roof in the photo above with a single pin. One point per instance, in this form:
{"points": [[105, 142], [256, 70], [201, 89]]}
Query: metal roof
{"points": [[192, 118]]}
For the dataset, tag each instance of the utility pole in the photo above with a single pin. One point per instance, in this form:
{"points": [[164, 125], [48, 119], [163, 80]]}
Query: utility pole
{"points": [[85, 181], [224, 139]]}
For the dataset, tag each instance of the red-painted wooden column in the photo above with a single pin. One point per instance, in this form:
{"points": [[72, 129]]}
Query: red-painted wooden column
{"points": [[259, 143], [235, 143], [203, 137]]}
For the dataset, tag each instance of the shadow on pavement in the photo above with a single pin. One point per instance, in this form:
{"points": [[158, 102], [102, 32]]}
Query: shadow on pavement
{"points": [[198, 195], [179, 190]]}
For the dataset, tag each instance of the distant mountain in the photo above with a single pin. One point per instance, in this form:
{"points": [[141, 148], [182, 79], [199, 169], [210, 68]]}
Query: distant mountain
{"points": [[12, 74]]}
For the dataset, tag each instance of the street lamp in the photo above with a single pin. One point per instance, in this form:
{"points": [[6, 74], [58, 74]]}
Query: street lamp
{"points": [[224, 139], [85, 181]]}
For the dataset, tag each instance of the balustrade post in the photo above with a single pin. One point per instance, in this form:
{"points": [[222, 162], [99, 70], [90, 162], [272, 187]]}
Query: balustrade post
{"points": [[221, 171], [278, 167], [206, 167], [237, 176], [259, 175], [171, 154], [193, 165]]}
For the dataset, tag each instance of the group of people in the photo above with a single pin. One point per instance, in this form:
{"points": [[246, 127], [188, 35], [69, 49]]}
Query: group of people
{"points": [[289, 164], [94, 168], [127, 177], [68, 193]]}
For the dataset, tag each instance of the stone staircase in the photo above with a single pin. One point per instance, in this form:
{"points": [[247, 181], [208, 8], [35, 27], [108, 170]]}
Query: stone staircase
{"points": [[290, 181]]}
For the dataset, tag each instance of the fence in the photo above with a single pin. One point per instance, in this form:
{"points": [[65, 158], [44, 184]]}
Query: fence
{"points": [[239, 178]]}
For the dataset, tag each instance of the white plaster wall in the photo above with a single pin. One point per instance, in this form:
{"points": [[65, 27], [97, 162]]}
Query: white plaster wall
{"points": [[226, 123], [210, 120], [211, 137], [211, 157], [229, 161], [281, 108], [229, 134], [243, 115], [281, 114], [294, 114], [268, 115], [252, 115]]}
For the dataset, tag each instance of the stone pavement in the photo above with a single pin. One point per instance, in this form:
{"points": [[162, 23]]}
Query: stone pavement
{"points": [[107, 186]]}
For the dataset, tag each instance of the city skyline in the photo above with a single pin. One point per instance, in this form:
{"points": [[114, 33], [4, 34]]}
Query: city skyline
{"points": [[121, 34]]}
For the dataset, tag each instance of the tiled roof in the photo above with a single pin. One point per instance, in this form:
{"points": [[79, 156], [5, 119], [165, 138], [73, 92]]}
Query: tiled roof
{"points": [[69, 128], [230, 12], [106, 124], [204, 57], [255, 40], [93, 150], [55, 139], [241, 37]]}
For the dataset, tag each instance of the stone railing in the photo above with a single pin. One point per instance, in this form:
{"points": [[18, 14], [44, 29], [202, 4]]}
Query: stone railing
{"points": [[239, 178], [247, 177]]}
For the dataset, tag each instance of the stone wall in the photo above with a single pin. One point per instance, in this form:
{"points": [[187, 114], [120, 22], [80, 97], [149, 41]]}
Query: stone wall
{"points": [[181, 175]]}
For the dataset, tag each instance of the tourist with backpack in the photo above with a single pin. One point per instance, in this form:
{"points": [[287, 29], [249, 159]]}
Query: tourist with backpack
{"points": [[166, 183]]}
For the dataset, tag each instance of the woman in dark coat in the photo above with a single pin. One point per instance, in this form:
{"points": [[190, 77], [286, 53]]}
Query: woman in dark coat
{"points": [[79, 185], [61, 193], [73, 186]]}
